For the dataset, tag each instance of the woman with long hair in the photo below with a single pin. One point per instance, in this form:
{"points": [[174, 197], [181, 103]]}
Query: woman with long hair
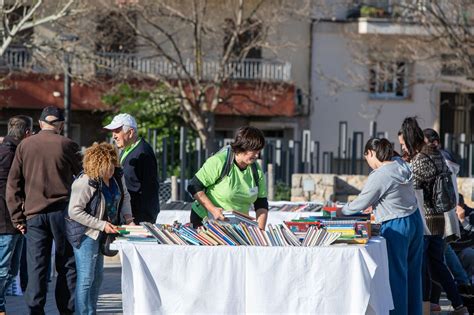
{"points": [[425, 161]]}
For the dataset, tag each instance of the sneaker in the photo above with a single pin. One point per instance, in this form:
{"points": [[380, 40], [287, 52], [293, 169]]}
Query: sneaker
{"points": [[435, 307], [460, 311]]}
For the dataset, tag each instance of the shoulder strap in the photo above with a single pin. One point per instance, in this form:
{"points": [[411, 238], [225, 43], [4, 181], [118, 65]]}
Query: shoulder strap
{"points": [[255, 173], [229, 160]]}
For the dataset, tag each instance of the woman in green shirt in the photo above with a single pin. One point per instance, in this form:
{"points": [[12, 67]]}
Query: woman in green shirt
{"points": [[242, 185]]}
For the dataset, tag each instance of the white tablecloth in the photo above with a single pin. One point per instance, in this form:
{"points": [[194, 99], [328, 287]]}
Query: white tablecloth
{"points": [[274, 217], [167, 279]]}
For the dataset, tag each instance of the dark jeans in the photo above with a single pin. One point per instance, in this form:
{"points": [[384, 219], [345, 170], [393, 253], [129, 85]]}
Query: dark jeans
{"points": [[23, 267], [41, 230], [434, 269]]}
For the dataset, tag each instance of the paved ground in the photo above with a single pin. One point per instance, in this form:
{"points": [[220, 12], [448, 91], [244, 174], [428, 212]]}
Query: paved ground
{"points": [[110, 299]]}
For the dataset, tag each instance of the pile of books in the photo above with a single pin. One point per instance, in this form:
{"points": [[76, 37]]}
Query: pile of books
{"points": [[215, 233], [319, 237], [354, 229]]}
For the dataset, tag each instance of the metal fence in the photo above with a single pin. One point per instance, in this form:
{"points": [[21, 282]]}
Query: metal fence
{"points": [[295, 156], [287, 157], [18, 58]]}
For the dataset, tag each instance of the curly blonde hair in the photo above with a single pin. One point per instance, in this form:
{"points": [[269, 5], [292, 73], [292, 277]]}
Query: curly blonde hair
{"points": [[99, 158]]}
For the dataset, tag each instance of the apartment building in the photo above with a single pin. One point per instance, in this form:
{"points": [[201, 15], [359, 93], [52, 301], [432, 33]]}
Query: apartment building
{"points": [[372, 68]]}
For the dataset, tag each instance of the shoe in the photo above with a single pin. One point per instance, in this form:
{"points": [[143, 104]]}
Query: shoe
{"points": [[460, 311]]}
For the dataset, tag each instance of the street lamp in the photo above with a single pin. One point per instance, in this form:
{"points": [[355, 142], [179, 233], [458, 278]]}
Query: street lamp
{"points": [[67, 40]]}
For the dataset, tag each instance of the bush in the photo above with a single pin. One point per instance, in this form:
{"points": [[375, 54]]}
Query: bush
{"points": [[282, 191]]}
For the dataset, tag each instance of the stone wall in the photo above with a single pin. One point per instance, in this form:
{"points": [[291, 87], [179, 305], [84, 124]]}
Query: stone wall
{"points": [[322, 187]]}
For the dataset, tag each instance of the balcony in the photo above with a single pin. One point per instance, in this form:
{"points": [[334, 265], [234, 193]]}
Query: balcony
{"points": [[386, 17], [248, 69], [131, 65], [15, 59]]}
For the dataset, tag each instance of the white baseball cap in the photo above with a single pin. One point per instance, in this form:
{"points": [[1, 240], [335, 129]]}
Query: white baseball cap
{"points": [[122, 120]]}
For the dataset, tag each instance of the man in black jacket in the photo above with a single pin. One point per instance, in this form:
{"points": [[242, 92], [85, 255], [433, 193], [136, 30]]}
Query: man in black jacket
{"points": [[11, 240], [139, 166]]}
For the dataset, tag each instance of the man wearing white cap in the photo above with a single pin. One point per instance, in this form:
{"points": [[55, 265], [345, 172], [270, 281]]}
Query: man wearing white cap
{"points": [[139, 166]]}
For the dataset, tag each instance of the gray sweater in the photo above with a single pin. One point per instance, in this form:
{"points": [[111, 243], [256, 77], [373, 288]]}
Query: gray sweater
{"points": [[389, 190], [81, 193]]}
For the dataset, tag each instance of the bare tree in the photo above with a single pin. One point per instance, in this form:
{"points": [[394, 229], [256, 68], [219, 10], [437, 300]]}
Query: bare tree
{"points": [[197, 48], [19, 16]]}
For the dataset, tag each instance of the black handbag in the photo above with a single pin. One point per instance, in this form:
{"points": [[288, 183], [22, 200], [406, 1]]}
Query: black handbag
{"points": [[105, 241]]}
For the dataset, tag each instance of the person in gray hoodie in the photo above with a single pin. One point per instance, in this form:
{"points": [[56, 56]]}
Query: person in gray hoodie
{"points": [[389, 191]]}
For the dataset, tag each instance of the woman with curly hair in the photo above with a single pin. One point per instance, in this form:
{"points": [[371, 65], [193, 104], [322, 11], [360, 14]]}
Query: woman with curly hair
{"points": [[98, 202]]}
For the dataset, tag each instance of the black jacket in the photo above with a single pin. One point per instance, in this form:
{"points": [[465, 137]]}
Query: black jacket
{"points": [[7, 153], [141, 177]]}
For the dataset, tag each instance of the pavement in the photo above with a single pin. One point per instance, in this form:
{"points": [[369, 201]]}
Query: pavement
{"points": [[110, 296]]}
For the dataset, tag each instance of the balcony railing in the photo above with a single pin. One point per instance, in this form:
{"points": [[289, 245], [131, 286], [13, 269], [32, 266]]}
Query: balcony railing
{"points": [[15, 59], [247, 69]]}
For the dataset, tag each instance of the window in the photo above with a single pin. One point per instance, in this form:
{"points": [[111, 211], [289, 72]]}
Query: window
{"points": [[389, 80]]}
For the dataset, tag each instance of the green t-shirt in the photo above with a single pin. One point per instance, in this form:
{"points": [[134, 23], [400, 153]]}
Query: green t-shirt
{"points": [[237, 191]]}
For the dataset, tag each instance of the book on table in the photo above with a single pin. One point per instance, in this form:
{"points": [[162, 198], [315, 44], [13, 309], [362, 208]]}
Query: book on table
{"points": [[235, 217]]}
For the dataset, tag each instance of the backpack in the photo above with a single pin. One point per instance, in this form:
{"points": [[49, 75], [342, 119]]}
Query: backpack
{"points": [[228, 166], [444, 195]]}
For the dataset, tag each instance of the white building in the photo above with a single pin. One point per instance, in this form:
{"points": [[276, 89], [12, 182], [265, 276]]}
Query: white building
{"points": [[352, 87]]}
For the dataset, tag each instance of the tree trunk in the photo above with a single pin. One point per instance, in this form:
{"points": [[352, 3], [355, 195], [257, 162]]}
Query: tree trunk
{"points": [[210, 140]]}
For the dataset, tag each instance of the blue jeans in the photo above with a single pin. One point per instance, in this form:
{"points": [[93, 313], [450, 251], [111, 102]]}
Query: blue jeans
{"points": [[404, 237], [90, 267], [435, 269], [454, 265], [10, 253]]}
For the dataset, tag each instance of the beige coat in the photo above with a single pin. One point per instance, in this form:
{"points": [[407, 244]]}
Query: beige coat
{"points": [[81, 194]]}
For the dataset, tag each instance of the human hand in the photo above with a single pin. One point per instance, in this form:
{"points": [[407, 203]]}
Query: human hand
{"points": [[461, 213], [368, 210], [129, 220], [21, 228], [217, 214], [110, 228]]}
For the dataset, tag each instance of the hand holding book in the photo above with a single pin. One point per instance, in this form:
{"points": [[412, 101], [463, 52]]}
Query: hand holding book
{"points": [[217, 214]]}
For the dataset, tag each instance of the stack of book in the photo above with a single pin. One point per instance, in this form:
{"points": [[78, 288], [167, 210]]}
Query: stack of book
{"points": [[354, 229], [215, 233], [135, 233], [319, 237]]}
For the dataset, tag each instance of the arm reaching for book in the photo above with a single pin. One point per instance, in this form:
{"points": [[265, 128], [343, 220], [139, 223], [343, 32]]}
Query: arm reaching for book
{"points": [[201, 197], [262, 215]]}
